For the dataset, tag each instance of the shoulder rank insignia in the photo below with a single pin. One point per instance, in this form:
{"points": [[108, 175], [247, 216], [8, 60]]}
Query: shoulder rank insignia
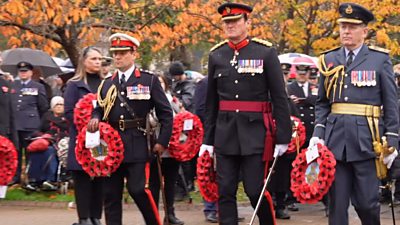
{"points": [[379, 49], [109, 75], [218, 45], [330, 50], [261, 41], [147, 71]]}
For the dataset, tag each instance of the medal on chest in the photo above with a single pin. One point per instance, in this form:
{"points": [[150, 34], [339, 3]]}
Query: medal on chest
{"points": [[139, 92], [250, 66], [363, 78]]}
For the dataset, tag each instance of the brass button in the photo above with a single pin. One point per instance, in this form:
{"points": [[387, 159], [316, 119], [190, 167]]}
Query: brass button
{"points": [[236, 96], [346, 99], [122, 104], [219, 75], [121, 117], [345, 75], [236, 81], [237, 110], [345, 86], [122, 93]]}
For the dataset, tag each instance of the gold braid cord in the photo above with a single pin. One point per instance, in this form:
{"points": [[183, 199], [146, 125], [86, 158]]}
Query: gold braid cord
{"points": [[108, 102], [335, 73]]}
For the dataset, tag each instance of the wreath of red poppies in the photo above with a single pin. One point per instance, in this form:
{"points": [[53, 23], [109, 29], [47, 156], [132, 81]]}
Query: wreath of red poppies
{"points": [[188, 149], [206, 177], [298, 135], [114, 157], [8, 160], [312, 192], [83, 110]]}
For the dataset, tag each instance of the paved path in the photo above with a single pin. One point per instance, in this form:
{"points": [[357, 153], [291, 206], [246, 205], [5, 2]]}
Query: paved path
{"points": [[42, 214]]}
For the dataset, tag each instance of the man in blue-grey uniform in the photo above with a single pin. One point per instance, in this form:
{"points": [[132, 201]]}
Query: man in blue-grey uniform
{"points": [[357, 85], [125, 99], [30, 102]]}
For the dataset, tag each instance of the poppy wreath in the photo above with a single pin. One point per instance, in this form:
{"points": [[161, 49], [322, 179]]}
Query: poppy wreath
{"points": [[312, 192], [206, 177], [298, 135], [114, 157], [8, 160], [83, 111], [187, 150]]}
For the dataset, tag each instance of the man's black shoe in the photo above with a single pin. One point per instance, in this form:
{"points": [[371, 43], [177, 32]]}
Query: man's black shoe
{"points": [[211, 217], [96, 221], [173, 220], [293, 207], [282, 214]]}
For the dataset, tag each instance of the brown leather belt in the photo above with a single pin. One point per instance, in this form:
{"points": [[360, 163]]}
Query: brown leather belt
{"points": [[128, 124]]}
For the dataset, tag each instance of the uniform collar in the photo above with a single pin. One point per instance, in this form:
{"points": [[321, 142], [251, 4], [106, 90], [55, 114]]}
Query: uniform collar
{"points": [[25, 82], [239, 45], [355, 51], [127, 73]]}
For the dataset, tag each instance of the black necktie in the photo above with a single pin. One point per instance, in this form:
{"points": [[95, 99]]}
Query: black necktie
{"points": [[122, 80], [350, 58]]}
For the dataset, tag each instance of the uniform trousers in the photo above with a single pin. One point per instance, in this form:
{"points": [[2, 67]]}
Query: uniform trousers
{"points": [[88, 195], [114, 185], [228, 170], [169, 167], [22, 144], [355, 181]]}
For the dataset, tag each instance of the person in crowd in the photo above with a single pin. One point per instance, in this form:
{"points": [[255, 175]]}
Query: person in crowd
{"points": [[169, 165], [106, 64], [44, 165], [88, 191], [396, 70], [135, 92], [7, 123], [304, 95], [245, 90], [30, 103], [313, 78], [343, 111]]}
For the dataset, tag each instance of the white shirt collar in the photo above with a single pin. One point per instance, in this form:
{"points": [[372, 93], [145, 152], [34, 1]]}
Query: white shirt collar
{"points": [[127, 73], [26, 82]]}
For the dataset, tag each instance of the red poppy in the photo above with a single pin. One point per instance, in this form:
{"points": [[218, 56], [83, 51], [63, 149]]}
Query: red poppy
{"points": [[206, 178], [97, 167], [184, 151], [8, 160], [311, 189], [83, 111], [298, 135]]}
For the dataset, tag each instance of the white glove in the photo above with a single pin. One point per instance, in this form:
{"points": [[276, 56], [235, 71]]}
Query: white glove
{"points": [[389, 159], [204, 148], [314, 141], [280, 149]]}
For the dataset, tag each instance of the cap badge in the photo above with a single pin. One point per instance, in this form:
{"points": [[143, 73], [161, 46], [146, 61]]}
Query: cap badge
{"points": [[228, 10], [118, 40], [22, 65], [349, 9]]}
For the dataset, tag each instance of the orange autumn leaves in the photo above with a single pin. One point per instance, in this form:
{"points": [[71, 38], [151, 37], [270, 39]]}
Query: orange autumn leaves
{"points": [[292, 25]]}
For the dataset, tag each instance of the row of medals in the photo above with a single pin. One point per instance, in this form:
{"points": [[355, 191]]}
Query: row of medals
{"points": [[363, 78], [251, 66]]}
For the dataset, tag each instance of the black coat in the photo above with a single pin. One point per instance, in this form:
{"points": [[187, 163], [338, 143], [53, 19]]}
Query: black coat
{"points": [[135, 142], [56, 126], [306, 107], [184, 91], [74, 91], [30, 104], [243, 133], [7, 126]]}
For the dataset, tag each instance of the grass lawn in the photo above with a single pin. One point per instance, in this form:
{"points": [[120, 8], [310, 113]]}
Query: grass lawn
{"points": [[19, 194]]}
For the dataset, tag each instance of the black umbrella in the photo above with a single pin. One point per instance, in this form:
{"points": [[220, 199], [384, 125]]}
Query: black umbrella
{"points": [[35, 57]]}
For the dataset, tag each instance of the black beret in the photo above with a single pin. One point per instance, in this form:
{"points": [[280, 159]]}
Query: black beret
{"points": [[353, 13]]}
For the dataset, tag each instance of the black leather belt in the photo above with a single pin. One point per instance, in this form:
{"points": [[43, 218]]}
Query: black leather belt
{"points": [[128, 124]]}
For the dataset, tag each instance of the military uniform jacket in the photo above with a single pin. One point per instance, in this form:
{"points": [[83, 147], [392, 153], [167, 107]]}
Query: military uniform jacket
{"points": [[243, 133], [306, 107], [135, 142], [351, 132], [7, 127], [30, 103]]}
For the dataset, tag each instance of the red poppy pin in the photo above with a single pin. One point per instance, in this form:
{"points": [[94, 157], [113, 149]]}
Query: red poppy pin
{"points": [[5, 89], [330, 65]]}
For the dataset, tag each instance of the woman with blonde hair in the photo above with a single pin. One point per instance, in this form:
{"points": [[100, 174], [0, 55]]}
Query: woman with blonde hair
{"points": [[88, 192]]}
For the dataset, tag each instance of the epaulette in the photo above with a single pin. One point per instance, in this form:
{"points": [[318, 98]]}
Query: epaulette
{"points": [[218, 45], [379, 49], [147, 71], [261, 41], [330, 50]]}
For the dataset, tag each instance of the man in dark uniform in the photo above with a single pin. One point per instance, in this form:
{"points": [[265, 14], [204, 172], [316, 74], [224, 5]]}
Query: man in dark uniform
{"points": [[30, 102], [244, 77], [304, 95], [7, 127], [136, 92], [356, 83]]}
